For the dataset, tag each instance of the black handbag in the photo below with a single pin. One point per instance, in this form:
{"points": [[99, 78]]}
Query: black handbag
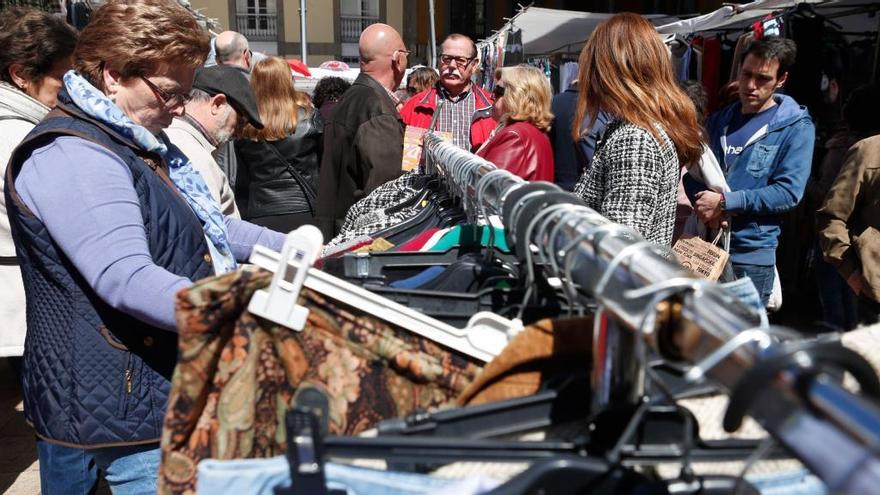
{"points": [[307, 189]]}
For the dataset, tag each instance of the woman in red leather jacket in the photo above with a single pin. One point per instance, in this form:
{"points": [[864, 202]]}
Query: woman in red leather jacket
{"points": [[520, 144]]}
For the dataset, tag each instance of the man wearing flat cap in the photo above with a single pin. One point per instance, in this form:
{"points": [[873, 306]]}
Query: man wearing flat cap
{"points": [[222, 103]]}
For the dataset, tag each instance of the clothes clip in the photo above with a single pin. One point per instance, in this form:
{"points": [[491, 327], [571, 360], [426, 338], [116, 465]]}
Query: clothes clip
{"points": [[279, 303]]}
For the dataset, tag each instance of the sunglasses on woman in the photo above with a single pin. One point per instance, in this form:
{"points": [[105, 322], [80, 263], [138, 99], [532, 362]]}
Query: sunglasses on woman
{"points": [[498, 91]]}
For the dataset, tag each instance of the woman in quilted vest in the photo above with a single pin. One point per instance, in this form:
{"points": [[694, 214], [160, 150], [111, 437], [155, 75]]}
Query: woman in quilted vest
{"points": [[110, 221], [625, 71], [278, 164]]}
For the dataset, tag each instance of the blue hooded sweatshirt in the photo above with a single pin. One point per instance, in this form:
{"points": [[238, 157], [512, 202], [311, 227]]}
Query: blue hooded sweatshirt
{"points": [[767, 179]]}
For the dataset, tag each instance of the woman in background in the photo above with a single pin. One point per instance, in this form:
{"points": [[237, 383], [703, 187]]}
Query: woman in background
{"points": [[327, 92], [420, 79], [38, 50], [520, 143], [625, 71], [279, 164]]}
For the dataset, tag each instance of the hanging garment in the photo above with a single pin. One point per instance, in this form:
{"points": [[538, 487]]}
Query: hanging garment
{"points": [[263, 476], [369, 210], [568, 74], [237, 374], [711, 72], [539, 352]]}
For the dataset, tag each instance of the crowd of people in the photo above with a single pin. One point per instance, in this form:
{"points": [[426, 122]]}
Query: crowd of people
{"points": [[141, 156]]}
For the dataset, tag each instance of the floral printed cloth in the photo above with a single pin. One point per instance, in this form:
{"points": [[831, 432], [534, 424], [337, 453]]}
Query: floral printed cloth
{"points": [[238, 374]]}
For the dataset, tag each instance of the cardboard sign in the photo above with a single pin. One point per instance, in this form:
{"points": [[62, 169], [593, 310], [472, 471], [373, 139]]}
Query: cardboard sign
{"points": [[703, 258], [412, 146]]}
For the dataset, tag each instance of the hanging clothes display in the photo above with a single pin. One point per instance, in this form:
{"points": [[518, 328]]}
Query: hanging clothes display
{"points": [[366, 369], [568, 73], [499, 310], [513, 48]]}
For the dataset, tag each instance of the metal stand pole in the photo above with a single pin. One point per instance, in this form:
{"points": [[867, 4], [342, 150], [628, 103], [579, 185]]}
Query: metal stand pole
{"points": [[303, 37], [433, 60]]}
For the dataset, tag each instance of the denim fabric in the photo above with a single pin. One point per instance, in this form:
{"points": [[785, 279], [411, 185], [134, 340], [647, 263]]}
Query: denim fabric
{"points": [[761, 276], [130, 470], [744, 289], [66, 470], [799, 482], [261, 476], [419, 279], [837, 299]]}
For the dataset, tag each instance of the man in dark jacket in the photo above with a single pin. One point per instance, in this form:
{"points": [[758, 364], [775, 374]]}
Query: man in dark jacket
{"points": [[570, 158], [363, 142]]}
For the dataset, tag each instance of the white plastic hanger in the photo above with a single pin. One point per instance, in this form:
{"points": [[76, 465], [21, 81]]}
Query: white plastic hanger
{"points": [[485, 335]]}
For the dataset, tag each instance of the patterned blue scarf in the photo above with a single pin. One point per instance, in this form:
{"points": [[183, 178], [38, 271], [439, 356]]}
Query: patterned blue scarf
{"points": [[188, 180]]}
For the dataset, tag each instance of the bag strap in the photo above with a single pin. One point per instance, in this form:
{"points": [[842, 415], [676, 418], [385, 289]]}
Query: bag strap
{"points": [[303, 183]]}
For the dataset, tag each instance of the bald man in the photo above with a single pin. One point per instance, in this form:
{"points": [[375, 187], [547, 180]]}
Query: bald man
{"points": [[232, 49], [363, 142]]}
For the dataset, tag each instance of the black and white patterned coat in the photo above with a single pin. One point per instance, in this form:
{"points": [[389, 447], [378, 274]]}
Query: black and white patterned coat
{"points": [[633, 180]]}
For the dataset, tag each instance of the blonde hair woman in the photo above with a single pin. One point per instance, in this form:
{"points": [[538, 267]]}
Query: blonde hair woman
{"points": [[625, 71], [522, 106], [279, 164]]}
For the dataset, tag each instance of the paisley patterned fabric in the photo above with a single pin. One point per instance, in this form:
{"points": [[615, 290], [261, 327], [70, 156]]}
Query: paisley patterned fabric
{"points": [[237, 374], [188, 181]]}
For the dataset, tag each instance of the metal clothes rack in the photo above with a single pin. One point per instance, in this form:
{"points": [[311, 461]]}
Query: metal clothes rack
{"points": [[651, 301]]}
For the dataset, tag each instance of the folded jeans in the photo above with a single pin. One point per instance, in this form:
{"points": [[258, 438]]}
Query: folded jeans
{"points": [[261, 476]]}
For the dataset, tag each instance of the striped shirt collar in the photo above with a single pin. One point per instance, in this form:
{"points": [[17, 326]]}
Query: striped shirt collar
{"points": [[392, 95], [443, 93]]}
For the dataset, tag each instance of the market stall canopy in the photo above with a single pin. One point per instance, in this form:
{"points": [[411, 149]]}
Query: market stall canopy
{"points": [[335, 65], [549, 31], [298, 67], [736, 16]]}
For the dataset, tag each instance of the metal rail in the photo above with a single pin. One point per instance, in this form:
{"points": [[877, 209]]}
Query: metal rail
{"points": [[835, 433]]}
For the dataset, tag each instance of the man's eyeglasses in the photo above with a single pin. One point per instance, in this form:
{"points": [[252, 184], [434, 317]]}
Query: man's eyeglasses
{"points": [[497, 91], [402, 50], [170, 100], [448, 59]]}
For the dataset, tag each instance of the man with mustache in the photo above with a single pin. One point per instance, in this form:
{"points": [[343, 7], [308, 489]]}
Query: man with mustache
{"points": [[764, 143], [465, 109]]}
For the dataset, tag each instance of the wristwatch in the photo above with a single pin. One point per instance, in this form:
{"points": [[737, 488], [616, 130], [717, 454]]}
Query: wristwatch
{"points": [[722, 203]]}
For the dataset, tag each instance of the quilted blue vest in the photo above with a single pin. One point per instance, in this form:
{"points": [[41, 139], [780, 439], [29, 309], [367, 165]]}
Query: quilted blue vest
{"points": [[94, 376]]}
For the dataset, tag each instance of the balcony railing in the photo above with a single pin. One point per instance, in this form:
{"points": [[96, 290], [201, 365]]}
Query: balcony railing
{"points": [[351, 27], [257, 27]]}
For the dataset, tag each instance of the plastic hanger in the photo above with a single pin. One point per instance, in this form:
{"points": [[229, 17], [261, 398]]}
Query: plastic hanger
{"points": [[485, 335]]}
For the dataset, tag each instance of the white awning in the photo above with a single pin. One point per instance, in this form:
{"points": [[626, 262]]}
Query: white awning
{"points": [[548, 31]]}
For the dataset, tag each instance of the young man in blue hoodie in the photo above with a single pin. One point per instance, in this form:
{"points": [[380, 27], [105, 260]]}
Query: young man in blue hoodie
{"points": [[764, 143]]}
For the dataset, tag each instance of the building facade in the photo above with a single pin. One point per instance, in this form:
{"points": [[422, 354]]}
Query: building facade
{"points": [[334, 26]]}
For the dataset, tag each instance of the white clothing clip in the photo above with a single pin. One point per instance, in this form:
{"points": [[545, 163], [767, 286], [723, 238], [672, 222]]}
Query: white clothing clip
{"points": [[279, 303]]}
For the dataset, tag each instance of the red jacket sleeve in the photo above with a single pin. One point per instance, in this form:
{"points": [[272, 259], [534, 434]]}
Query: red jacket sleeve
{"points": [[509, 151]]}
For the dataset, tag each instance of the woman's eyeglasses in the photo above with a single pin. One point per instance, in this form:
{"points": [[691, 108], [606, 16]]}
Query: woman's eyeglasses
{"points": [[170, 100], [498, 91]]}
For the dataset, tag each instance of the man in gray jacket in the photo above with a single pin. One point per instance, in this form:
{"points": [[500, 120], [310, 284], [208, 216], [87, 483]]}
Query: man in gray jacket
{"points": [[222, 102]]}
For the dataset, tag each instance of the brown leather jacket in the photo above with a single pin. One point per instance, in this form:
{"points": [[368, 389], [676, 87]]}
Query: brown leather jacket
{"points": [[848, 222]]}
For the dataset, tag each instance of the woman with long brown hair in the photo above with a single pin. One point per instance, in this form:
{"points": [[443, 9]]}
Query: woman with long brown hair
{"points": [[279, 164], [625, 71]]}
